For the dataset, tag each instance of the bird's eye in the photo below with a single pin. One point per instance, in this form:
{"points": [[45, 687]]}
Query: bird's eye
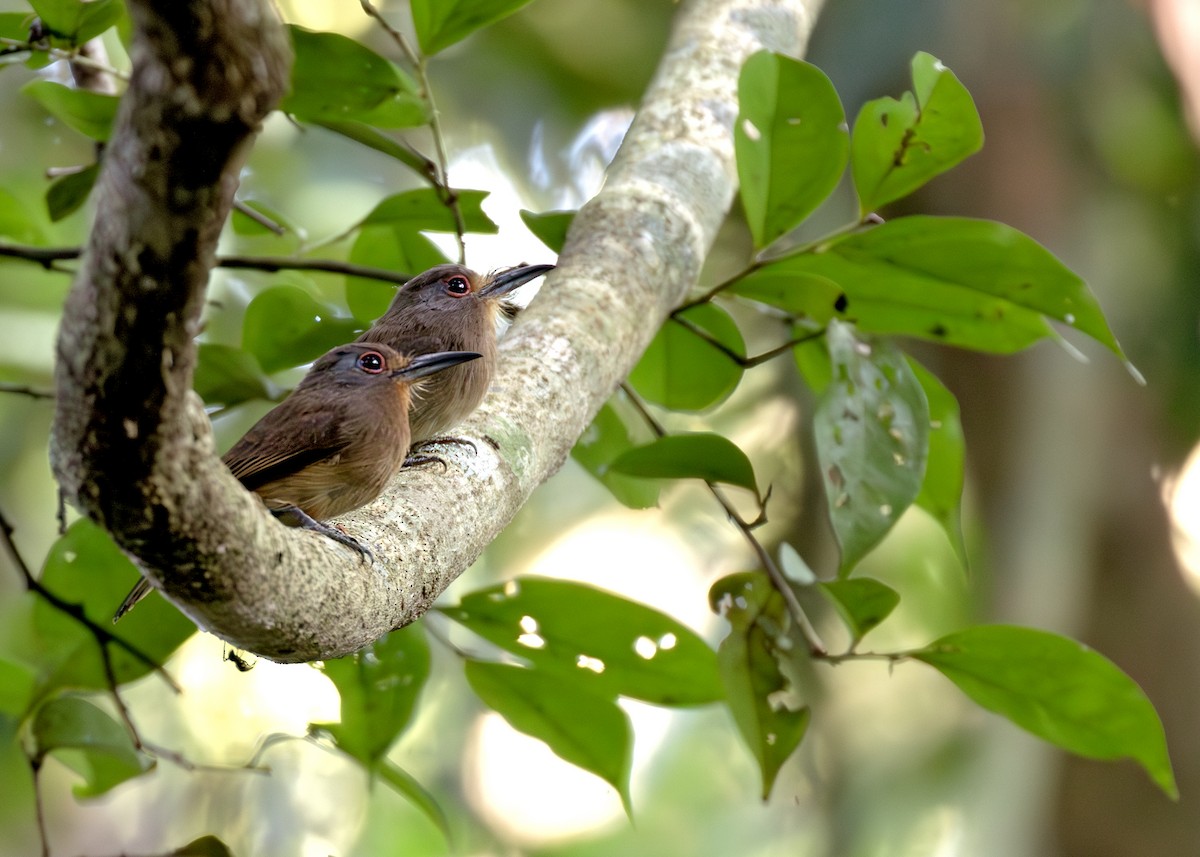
{"points": [[372, 362], [458, 287]]}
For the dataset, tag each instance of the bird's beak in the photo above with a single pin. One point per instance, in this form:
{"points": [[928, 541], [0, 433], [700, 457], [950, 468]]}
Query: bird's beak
{"points": [[427, 364], [508, 280]]}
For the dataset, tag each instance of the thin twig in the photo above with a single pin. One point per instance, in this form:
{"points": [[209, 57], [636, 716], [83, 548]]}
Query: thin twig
{"points": [[744, 362], [259, 218], [16, 46], [795, 609], [102, 635], [419, 62], [25, 390], [47, 256], [35, 767]]}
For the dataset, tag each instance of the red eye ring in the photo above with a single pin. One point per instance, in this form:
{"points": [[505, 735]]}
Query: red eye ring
{"points": [[458, 287], [371, 362]]}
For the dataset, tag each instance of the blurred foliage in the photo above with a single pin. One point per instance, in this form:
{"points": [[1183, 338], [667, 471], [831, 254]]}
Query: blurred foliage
{"points": [[822, 275]]}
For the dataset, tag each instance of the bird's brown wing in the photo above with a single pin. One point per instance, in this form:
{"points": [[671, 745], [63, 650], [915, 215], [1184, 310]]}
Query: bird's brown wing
{"points": [[288, 439]]}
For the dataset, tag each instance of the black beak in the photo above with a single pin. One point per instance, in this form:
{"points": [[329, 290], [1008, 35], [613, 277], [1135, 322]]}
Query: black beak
{"points": [[427, 364], [505, 282]]}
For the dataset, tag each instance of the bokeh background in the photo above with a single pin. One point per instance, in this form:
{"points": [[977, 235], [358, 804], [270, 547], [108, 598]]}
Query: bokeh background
{"points": [[1079, 508]]}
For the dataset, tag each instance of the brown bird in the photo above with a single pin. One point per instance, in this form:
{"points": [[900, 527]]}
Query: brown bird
{"points": [[449, 308], [335, 443]]}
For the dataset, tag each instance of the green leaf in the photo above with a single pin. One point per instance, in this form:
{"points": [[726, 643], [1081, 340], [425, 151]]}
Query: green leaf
{"points": [[380, 142], [17, 685], [610, 645], [606, 438], [67, 194], [229, 376], [1059, 690], [77, 22], [86, 567], [900, 145], [861, 602], [335, 79], [205, 846], [89, 113], [809, 297], [244, 224], [682, 370], [16, 220], [441, 23], [379, 687], [972, 283], [586, 729], [285, 326], [424, 210], [549, 227], [106, 756], [420, 797], [791, 142], [15, 25], [941, 492], [872, 434], [392, 249], [761, 699], [689, 456]]}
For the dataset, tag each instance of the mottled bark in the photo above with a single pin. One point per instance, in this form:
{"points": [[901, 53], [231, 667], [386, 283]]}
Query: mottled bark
{"points": [[134, 449]]}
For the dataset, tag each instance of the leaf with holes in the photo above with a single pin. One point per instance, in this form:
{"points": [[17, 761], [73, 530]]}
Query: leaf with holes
{"points": [[1059, 690], [602, 641], [899, 145], [790, 140], [682, 370], [584, 728], [760, 697], [872, 436], [690, 456]]}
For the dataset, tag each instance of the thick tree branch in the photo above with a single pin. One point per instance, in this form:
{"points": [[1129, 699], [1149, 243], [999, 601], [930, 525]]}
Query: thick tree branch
{"points": [[133, 447]]}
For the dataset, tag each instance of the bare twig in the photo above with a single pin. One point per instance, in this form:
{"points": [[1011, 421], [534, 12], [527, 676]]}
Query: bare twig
{"points": [[745, 362], [795, 609], [449, 197], [25, 390], [259, 218]]}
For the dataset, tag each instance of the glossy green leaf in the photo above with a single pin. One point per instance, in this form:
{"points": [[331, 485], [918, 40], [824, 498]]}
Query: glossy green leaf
{"points": [[610, 645], [379, 687], [791, 142], [17, 685], [587, 729], [420, 797], [75, 21], [66, 194], [229, 376], [106, 756], [689, 456], [380, 142], [899, 145], [441, 23], [86, 567], [392, 249], [424, 210], [336, 79], [1059, 690], [761, 699], [89, 113], [15, 25], [682, 370], [808, 297], [941, 492], [872, 435], [550, 227], [285, 326], [606, 438], [861, 602], [972, 283]]}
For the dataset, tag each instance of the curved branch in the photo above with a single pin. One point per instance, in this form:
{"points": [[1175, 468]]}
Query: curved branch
{"points": [[633, 253]]}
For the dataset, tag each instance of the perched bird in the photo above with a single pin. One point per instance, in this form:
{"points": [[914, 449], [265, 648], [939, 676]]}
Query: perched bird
{"points": [[449, 308], [335, 443]]}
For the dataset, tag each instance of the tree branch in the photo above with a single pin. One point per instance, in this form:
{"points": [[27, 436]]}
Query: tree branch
{"points": [[131, 443]]}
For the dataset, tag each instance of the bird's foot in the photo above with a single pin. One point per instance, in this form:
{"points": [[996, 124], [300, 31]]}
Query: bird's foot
{"points": [[305, 521]]}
